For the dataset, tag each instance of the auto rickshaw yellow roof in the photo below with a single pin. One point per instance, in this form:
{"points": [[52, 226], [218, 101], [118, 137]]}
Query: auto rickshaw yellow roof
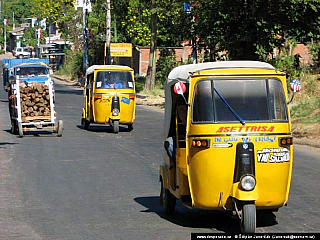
{"points": [[92, 68], [183, 72]]}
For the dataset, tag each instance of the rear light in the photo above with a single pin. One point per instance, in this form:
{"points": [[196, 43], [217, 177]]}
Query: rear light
{"points": [[285, 141], [201, 143], [97, 96], [132, 97]]}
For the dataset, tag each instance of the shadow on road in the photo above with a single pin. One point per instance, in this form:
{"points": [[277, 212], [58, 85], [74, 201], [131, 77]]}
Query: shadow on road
{"points": [[103, 128], [39, 133], [195, 218], [185, 217], [6, 143], [70, 91]]}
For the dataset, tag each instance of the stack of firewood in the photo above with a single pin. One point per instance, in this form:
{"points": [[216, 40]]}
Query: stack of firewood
{"points": [[35, 100]]}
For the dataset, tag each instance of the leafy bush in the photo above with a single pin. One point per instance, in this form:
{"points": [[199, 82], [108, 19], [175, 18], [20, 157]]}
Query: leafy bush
{"points": [[167, 61], [73, 64], [140, 82], [315, 53]]}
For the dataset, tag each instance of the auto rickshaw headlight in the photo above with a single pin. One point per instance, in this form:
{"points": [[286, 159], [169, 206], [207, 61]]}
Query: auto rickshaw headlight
{"points": [[248, 182], [115, 112]]}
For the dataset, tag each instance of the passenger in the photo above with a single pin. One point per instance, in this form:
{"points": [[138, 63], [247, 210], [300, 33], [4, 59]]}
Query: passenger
{"points": [[112, 84], [170, 142]]}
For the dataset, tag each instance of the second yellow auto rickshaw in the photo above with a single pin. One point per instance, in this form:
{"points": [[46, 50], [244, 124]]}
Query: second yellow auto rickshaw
{"points": [[231, 148], [109, 96]]}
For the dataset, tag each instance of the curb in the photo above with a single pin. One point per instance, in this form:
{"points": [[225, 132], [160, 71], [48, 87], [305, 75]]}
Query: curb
{"points": [[306, 142], [62, 79]]}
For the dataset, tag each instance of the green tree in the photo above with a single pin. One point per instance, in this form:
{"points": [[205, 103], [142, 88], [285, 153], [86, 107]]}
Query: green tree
{"points": [[250, 29], [52, 10], [22, 9], [30, 37]]}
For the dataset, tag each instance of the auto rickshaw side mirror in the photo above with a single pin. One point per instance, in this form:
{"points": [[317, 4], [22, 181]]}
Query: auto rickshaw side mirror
{"points": [[295, 86]]}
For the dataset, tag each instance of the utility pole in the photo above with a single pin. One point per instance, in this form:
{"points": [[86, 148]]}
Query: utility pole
{"points": [[85, 44], [5, 22], [13, 25], [0, 13], [108, 34]]}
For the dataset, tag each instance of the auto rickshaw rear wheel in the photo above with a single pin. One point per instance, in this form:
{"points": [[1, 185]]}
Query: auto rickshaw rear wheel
{"points": [[168, 200], [248, 218], [115, 126], [85, 124], [130, 127]]}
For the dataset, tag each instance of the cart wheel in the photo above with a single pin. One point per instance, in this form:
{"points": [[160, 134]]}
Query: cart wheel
{"points": [[115, 126], [168, 201], [20, 130], [60, 128], [14, 127], [130, 127], [86, 124], [248, 218]]}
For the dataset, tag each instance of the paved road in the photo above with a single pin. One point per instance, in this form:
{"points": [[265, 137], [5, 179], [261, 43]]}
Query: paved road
{"points": [[99, 185]]}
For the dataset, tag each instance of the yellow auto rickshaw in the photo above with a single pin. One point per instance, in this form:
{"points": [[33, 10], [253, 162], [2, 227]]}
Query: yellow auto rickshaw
{"points": [[232, 150], [109, 96]]}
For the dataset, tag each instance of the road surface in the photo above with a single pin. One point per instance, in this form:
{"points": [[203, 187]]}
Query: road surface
{"points": [[99, 185]]}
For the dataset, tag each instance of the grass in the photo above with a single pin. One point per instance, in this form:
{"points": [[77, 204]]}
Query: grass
{"points": [[307, 111], [140, 83], [306, 104]]}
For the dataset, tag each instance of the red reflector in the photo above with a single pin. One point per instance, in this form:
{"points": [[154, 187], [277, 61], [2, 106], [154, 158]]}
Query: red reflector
{"points": [[204, 143]]}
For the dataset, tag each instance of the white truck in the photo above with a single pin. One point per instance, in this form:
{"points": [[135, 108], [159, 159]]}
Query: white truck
{"points": [[21, 52]]}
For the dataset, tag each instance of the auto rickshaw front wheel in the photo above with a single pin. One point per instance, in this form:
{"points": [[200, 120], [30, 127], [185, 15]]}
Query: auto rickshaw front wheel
{"points": [[115, 126], [167, 200], [248, 218]]}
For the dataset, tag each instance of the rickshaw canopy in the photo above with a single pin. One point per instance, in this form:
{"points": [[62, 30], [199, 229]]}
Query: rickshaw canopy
{"points": [[183, 73], [92, 68]]}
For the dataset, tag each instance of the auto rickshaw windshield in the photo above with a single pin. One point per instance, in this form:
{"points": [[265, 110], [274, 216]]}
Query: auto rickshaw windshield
{"points": [[254, 100], [114, 79]]}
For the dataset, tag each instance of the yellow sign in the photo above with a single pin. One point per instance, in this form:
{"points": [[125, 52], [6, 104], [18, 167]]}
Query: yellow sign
{"points": [[120, 49]]}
